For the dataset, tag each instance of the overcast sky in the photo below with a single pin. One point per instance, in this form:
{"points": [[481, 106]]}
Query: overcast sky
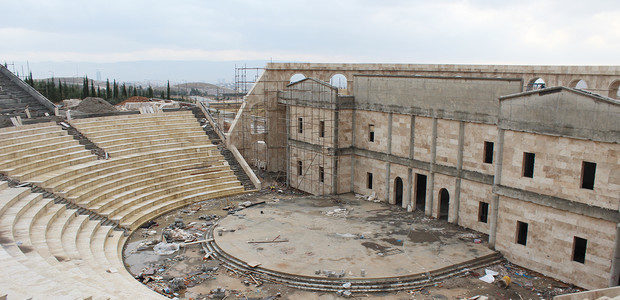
{"points": [[104, 33]]}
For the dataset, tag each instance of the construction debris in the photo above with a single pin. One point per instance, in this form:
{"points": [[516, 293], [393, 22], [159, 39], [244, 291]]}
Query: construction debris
{"points": [[93, 105]]}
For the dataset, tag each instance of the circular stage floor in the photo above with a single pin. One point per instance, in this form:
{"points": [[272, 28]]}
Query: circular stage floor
{"points": [[361, 238]]}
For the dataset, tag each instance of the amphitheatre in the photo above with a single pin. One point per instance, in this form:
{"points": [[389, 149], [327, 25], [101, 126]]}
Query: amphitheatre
{"points": [[385, 181]]}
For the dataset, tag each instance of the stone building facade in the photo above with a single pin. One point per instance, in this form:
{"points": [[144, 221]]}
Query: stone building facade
{"points": [[537, 171]]}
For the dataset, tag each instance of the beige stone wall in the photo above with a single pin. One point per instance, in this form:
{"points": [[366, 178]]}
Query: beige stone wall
{"points": [[472, 193], [311, 119], [380, 120], [550, 242], [345, 128], [558, 167], [473, 147], [397, 170], [309, 180], [447, 142], [378, 169], [401, 134], [448, 182], [423, 138], [344, 174]]}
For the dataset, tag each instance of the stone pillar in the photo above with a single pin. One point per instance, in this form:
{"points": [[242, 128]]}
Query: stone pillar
{"points": [[428, 210], [459, 167], [334, 156], [410, 194], [353, 157], [389, 151], [497, 180]]}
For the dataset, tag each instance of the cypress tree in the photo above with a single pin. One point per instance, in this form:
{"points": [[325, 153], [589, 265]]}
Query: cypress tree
{"points": [[60, 89], [124, 91], [98, 91], [116, 96], [149, 92], [108, 91], [162, 95], [92, 89], [135, 91], [168, 91]]}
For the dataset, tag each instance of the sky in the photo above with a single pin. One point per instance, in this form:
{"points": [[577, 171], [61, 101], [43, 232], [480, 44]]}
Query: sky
{"points": [[203, 40]]}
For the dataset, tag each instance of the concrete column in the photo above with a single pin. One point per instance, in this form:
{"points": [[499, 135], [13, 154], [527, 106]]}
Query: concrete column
{"points": [[353, 159], [615, 262], [459, 167], [412, 139], [387, 182], [288, 146], [428, 210], [334, 157], [389, 151], [390, 121], [408, 203], [497, 180]]}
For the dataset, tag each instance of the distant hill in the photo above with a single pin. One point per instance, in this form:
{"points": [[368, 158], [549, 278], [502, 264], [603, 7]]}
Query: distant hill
{"points": [[202, 86]]}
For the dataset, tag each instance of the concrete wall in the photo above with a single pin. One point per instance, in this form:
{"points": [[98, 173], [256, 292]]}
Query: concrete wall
{"points": [[380, 121], [558, 167], [452, 95], [309, 180], [311, 119], [550, 242], [472, 193], [583, 116], [378, 169], [473, 148]]}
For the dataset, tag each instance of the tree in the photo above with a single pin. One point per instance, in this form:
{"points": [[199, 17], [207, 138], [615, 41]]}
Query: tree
{"points": [[98, 92], [162, 95], [108, 91], [60, 90], [115, 91], [124, 91], [135, 92], [149, 92], [168, 90], [92, 89], [85, 87]]}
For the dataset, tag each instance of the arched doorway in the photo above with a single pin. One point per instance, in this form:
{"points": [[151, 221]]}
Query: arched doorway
{"points": [[444, 204], [398, 191]]}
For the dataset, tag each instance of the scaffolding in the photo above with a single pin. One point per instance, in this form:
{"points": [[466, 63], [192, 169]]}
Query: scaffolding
{"points": [[311, 137], [242, 81]]}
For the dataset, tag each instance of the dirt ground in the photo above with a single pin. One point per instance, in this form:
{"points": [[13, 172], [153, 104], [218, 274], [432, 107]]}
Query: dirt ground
{"points": [[186, 275]]}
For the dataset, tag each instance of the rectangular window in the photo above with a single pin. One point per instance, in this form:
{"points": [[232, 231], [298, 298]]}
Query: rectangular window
{"points": [[369, 180], [528, 164], [587, 175], [488, 152], [322, 128], [321, 174], [579, 249], [299, 167], [300, 125], [483, 212], [371, 132], [521, 233]]}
